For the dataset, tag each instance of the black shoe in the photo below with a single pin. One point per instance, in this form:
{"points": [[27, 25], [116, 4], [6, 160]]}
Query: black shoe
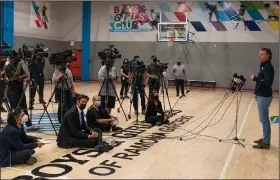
{"points": [[3, 110], [104, 148], [31, 161], [116, 128], [166, 122], [262, 146], [32, 151], [42, 101], [259, 141]]}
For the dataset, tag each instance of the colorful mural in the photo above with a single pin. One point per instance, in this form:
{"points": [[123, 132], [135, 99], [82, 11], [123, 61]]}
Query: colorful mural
{"points": [[39, 15], [143, 17]]}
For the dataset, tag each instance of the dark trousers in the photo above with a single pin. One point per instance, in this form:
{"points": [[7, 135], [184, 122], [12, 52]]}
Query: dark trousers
{"points": [[2, 90], [216, 14], [39, 82], [180, 83], [124, 88], [14, 97], [141, 90], [154, 85], [20, 157], [154, 119], [105, 127], [89, 143], [67, 101]]}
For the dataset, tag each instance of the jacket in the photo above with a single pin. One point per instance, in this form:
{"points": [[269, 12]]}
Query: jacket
{"points": [[14, 139], [264, 80], [71, 129]]}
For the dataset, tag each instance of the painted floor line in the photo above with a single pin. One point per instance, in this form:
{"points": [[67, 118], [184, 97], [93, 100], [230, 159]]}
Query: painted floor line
{"points": [[222, 175]]}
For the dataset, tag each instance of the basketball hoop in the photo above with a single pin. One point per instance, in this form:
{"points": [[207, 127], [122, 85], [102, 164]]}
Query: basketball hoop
{"points": [[170, 41]]}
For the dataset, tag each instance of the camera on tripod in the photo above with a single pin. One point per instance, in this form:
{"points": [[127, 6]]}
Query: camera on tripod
{"points": [[137, 67], [62, 58], [108, 55], [32, 54], [9, 53]]}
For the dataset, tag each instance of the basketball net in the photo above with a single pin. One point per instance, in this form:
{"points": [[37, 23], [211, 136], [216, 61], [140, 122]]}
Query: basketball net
{"points": [[170, 41]]}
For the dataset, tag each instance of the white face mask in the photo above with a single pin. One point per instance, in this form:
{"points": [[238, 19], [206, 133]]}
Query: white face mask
{"points": [[98, 103], [24, 119]]}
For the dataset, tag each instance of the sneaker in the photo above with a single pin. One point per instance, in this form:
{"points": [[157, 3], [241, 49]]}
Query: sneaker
{"points": [[31, 161], [259, 141], [262, 146], [2, 121]]}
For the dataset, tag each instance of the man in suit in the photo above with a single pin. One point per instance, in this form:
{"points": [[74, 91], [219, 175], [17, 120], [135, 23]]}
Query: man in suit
{"points": [[75, 133], [15, 146]]}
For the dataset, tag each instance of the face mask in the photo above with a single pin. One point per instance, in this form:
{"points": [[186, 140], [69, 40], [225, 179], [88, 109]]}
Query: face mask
{"points": [[156, 98], [179, 63], [98, 103], [24, 119], [82, 106], [154, 60]]}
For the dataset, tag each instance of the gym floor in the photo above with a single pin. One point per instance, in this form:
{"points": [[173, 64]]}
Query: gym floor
{"points": [[207, 117]]}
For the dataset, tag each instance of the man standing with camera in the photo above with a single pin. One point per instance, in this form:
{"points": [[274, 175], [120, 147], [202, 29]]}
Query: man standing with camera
{"points": [[153, 73], [64, 91], [107, 77], [138, 84], [37, 74], [17, 77]]}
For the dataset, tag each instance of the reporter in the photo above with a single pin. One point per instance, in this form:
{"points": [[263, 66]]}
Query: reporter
{"points": [[15, 146], [67, 90], [100, 118], [155, 114]]}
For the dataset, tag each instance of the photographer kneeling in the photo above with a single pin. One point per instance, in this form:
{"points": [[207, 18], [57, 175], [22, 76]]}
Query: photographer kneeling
{"points": [[15, 146], [100, 118], [155, 113], [63, 76]]}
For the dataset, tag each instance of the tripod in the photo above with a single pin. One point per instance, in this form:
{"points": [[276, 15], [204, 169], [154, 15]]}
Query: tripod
{"points": [[164, 89], [235, 124], [62, 96], [137, 88], [106, 82]]}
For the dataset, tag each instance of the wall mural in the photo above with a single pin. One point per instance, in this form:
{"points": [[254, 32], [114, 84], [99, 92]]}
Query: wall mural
{"points": [[39, 15], [223, 16]]}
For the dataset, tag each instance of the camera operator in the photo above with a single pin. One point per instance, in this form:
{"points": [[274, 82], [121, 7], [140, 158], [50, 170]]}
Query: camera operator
{"points": [[17, 77], [125, 73], [37, 73], [153, 71], [64, 76], [138, 83], [113, 76], [2, 84]]}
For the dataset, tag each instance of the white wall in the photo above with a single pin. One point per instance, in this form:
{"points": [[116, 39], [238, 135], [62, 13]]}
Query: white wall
{"points": [[65, 21], [101, 12]]}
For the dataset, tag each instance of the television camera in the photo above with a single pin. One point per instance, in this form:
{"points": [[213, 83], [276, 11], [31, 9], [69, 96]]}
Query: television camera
{"points": [[62, 58], [108, 55], [161, 66], [137, 67], [32, 54]]}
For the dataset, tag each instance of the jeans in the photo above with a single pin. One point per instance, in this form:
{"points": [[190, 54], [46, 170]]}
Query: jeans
{"points": [[263, 108], [39, 82]]}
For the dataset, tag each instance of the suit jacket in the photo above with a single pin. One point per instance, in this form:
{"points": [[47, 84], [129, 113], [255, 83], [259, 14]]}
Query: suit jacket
{"points": [[71, 129], [14, 139]]}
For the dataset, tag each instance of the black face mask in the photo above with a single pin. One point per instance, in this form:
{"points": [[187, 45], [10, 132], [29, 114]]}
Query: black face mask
{"points": [[155, 60], [156, 98], [178, 63], [82, 106]]}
